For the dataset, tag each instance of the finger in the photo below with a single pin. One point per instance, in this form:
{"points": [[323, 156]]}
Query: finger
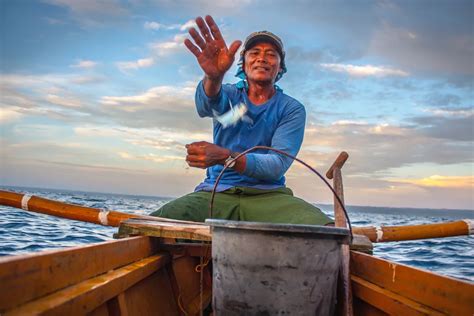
{"points": [[234, 47], [193, 48], [204, 29], [194, 150], [197, 38], [195, 158], [214, 28], [197, 165]]}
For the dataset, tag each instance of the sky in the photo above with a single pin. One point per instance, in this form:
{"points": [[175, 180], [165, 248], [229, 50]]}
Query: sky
{"points": [[98, 95]]}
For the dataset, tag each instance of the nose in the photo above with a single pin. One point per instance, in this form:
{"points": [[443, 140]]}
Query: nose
{"points": [[262, 58]]}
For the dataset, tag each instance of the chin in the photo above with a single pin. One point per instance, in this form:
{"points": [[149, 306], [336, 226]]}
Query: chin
{"points": [[262, 79]]}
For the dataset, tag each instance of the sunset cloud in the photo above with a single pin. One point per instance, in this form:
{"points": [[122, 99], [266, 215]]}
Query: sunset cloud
{"points": [[441, 181]]}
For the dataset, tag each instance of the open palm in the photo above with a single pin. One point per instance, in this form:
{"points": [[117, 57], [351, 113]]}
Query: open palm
{"points": [[210, 48]]}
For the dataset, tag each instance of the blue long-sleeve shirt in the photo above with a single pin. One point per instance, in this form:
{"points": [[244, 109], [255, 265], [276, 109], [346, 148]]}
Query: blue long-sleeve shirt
{"points": [[278, 123]]}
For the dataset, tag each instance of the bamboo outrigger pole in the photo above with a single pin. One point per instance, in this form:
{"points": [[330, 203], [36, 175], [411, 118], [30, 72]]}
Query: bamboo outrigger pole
{"points": [[37, 204], [413, 232], [59, 209]]}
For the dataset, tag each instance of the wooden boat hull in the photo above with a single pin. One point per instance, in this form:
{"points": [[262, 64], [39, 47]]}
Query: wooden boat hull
{"points": [[143, 276], [132, 276]]}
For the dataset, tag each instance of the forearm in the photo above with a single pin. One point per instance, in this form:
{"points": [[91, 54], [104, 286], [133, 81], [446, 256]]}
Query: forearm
{"points": [[212, 86], [270, 167]]}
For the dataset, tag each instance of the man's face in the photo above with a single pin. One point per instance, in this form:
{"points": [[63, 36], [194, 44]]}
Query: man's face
{"points": [[262, 63]]}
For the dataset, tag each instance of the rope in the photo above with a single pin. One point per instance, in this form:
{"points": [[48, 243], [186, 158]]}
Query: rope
{"points": [[180, 305]]}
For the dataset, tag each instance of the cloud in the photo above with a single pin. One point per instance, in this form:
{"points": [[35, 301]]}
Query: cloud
{"points": [[450, 112], [124, 66], [441, 181], [154, 97], [150, 157], [349, 122], [63, 101], [452, 127], [170, 107], [189, 24], [84, 64], [165, 48], [430, 51], [105, 7], [161, 139], [91, 79], [157, 26], [153, 26], [53, 21], [9, 114], [365, 71], [92, 13], [376, 149]]}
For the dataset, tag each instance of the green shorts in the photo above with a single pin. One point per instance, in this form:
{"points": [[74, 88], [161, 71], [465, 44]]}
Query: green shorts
{"points": [[245, 204]]}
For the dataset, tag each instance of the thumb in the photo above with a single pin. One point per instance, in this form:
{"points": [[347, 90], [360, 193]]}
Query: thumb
{"points": [[234, 47]]}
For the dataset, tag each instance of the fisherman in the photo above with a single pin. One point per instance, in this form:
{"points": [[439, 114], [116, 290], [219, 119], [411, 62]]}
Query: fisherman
{"points": [[252, 112]]}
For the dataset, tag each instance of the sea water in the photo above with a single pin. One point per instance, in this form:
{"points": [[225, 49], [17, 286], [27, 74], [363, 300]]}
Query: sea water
{"points": [[23, 232]]}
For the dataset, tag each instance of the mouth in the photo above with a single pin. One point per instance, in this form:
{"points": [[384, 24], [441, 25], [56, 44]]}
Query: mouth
{"points": [[261, 68]]}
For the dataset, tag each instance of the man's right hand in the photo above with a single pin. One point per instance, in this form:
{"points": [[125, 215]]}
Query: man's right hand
{"points": [[211, 50]]}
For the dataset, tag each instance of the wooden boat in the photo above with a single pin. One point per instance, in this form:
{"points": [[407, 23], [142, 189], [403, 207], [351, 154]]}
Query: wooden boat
{"points": [[146, 272]]}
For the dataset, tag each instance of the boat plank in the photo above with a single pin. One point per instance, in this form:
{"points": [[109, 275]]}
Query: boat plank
{"points": [[86, 296], [132, 227], [387, 301], [146, 298], [444, 294], [188, 280], [102, 310], [362, 308], [24, 278]]}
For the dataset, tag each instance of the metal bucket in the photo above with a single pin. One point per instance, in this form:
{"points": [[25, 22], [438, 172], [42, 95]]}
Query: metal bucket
{"points": [[275, 269]]}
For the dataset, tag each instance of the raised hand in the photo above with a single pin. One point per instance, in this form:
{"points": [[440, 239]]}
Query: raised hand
{"points": [[210, 48]]}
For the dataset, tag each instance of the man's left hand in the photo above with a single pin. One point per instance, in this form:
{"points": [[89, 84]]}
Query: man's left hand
{"points": [[204, 154]]}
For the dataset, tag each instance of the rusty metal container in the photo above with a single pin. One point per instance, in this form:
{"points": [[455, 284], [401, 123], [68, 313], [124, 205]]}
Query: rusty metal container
{"points": [[275, 269]]}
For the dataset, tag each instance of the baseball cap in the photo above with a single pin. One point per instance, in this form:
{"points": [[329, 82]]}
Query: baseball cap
{"points": [[264, 36]]}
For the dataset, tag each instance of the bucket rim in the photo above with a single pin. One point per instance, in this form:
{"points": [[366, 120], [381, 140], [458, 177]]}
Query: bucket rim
{"points": [[337, 232]]}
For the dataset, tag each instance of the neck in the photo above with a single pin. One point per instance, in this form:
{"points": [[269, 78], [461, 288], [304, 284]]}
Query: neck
{"points": [[260, 93]]}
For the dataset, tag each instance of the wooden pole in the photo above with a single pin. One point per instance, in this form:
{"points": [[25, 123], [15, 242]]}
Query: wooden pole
{"points": [[413, 232], [335, 173], [113, 218], [76, 212]]}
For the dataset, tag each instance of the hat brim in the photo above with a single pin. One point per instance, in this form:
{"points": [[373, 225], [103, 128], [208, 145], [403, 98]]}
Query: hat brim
{"points": [[263, 38]]}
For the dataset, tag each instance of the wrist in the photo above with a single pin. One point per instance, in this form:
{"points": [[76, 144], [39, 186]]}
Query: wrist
{"points": [[214, 79], [230, 161]]}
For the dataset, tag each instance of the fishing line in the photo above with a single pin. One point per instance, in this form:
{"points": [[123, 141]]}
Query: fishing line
{"points": [[290, 156]]}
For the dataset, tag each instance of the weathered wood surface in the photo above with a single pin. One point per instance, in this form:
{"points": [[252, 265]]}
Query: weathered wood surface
{"points": [[23, 278], [387, 301], [362, 244], [133, 276], [413, 232], [84, 297], [338, 163], [345, 292], [133, 227], [388, 285]]}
